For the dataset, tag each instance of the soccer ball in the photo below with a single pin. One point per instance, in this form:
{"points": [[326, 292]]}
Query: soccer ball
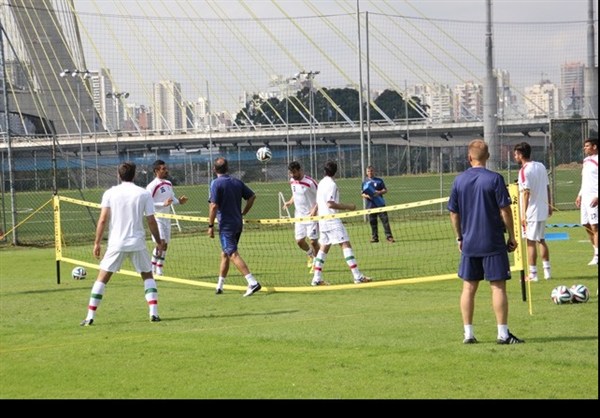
{"points": [[560, 295], [79, 273], [264, 154], [579, 293]]}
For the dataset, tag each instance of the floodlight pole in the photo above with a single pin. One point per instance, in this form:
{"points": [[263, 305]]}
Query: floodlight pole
{"points": [[82, 74]]}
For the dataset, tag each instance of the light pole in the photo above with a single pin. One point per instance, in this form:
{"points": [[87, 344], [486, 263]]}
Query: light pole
{"points": [[116, 96], [287, 114], [83, 74], [310, 76]]}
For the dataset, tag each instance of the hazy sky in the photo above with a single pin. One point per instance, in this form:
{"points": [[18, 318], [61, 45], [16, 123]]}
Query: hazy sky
{"points": [[175, 40]]}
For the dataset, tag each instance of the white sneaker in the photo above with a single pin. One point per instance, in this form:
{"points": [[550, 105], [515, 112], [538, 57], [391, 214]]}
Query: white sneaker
{"points": [[547, 274], [533, 278], [594, 261]]}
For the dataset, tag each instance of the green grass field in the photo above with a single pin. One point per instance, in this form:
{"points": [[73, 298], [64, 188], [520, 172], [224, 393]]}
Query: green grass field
{"points": [[391, 342]]}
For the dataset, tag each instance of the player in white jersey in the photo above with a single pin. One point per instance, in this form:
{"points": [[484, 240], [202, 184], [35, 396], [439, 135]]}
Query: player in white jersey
{"points": [[587, 199], [536, 207], [126, 206], [304, 199], [163, 196], [333, 231]]}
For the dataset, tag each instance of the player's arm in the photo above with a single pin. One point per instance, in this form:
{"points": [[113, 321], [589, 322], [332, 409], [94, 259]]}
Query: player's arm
{"points": [[507, 218], [455, 221], [526, 194], [549, 196], [212, 215], [153, 227], [102, 221], [341, 206], [249, 204], [289, 203]]}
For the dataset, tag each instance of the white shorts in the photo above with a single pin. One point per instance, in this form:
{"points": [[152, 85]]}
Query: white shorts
{"points": [[308, 230], [589, 215], [113, 260], [535, 231], [164, 228], [336, 235]]}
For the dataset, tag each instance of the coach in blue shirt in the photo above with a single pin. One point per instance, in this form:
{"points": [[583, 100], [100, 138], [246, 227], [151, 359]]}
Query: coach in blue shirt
{"points": [[373, 189], [226, 194], [480, 210]]}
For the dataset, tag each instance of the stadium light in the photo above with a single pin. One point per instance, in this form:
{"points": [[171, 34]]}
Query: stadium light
{"points": [[83, 74], [310, 76], [116, 96]]}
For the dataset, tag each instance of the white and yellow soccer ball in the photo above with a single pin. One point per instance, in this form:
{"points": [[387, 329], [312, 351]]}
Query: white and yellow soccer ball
{"points": [[579, 293], [79, 273], [263, 154], [560, 295]]}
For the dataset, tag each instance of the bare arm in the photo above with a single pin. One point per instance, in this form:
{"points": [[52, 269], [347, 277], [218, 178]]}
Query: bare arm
{"points": [[550, 205], [506, 214], [102, 221], [455, 221], [341, 206], [249, 204], [212, 215]]}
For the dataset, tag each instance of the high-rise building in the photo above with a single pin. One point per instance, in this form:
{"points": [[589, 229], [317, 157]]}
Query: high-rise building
{"points": [[572, 88], [167, 106], [468, 102], [542, 100], [437, 98]]}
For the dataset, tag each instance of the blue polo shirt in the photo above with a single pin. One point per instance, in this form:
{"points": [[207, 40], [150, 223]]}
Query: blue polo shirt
{"points": [[477, 196], [369, 186], [227, 193]]}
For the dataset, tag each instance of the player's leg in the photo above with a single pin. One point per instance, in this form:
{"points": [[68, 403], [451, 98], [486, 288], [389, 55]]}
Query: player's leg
{"points": [[143, 265], [111, 262], [319, 260], [470, 270], [385, 221], [374, 229]]}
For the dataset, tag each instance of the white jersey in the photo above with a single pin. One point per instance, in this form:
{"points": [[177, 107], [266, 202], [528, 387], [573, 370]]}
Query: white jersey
{"points": [[304, 192], [128, 204], [327, 191], [533, 176], [161, 190], [589, 177]]}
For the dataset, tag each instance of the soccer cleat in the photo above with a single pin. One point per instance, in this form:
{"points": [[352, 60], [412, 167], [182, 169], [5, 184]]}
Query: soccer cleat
{"points": [[594, 261], [309, 262], [252, 289], [511, 339], [363, 279], [391, 240], [471, 340], [533, 278], [154, 318], [319, 283], [219, 291], [86, 322], [374, 240]]}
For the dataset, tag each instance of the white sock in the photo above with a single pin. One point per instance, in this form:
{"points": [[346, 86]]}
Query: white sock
{"points": [[533, 271], [502, 332], [250, 279], [151, 295], [468, 331], [220, 282]]}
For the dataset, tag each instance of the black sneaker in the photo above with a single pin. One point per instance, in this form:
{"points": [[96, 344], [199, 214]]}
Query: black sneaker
{"points": [[373, 240], [219, 291], [86, 322], [511, 339], [252, 289], [471, 340], [154, 318]]}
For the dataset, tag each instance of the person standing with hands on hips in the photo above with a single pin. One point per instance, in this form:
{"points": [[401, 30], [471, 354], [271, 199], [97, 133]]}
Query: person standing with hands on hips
{"points": [[373, 189], [587, 199], [126, 205], [479, 206], [163, 196], [226, 194]]}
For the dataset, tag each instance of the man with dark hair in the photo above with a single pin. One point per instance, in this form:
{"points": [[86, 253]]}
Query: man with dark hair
{"points": [[479, 207], [333, 231], [373, 189], [164, 197], [536, 207], [304, 199], [125, 205], [226, 194], [587, 198]]}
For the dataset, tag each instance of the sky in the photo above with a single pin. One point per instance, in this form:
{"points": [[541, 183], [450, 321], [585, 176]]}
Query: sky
{"points": [[136, 56]]}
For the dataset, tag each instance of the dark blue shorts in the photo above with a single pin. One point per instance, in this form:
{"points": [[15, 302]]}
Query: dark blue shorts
{"points": [[493, 267], [229, 241]]}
